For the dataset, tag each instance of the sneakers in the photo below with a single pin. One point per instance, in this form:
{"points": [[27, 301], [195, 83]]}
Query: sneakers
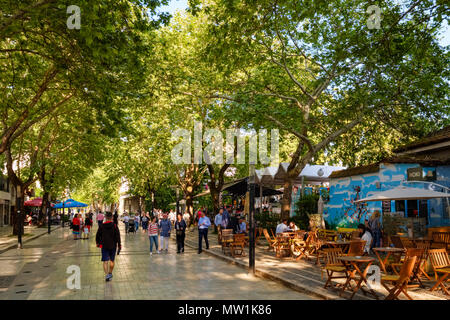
{"points": [[151, 253], [108, 277], [158, 252]]}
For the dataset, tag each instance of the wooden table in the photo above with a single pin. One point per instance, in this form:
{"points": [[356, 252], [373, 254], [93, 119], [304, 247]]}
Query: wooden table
{"points": [[388, 251], [353, 265]]}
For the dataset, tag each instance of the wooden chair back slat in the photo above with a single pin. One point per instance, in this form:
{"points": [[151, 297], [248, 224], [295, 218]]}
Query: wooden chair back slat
{"points": [[439, 258], [356, 248], [397, 242], [332, 255], [407, 269]]}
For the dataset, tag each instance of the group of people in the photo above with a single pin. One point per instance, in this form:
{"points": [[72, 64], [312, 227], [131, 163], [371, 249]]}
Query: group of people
{"points": [[81, 228], [223, 220]]}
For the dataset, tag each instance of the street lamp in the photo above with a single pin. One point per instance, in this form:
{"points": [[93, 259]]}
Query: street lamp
{"points": [[19, 217]]}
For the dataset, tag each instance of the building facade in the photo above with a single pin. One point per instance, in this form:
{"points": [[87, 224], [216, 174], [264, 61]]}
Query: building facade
{"points": [[422, 164]]}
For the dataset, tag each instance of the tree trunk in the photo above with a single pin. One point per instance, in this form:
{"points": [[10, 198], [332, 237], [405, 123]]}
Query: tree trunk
{"points": [[18, 221], [215, 197], [286, 201], [43, 209], [190, 205]]}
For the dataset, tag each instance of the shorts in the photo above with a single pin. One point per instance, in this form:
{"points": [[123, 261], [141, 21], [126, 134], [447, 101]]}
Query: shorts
{"points": [[108, 255]]}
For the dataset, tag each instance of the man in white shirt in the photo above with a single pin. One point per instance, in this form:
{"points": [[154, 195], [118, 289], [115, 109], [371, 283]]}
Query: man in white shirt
{"points": [[282, 227], [126, 220]]}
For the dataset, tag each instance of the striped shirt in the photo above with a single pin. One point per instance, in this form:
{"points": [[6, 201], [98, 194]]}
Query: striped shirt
{"points": [[153, 229]]}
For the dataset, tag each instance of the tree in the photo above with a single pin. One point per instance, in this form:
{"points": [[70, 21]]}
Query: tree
{"points": [[44, 64], [316, 70]]}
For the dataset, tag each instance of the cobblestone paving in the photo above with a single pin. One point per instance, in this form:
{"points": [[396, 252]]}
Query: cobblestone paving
{"points": [[39, 272]]}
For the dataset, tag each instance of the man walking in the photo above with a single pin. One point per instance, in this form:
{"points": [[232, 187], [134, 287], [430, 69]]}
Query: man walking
{"points": [[137, 219], [108, 239], [203, 225], [165, 226], [126, 220], [180, 227], [218, 220]]}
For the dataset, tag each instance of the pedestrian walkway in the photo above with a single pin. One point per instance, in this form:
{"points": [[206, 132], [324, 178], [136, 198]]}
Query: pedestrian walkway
{"points": [[304, 276], [8, 241], [39, 272]]}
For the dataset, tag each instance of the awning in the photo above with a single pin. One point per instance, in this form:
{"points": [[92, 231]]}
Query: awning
{"points": [[239, 187], [311, 174], [404, 193], [36, 202], [70, 203]]}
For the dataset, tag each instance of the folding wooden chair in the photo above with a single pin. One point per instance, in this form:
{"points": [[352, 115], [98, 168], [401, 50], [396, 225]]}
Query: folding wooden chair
{"points": [[237, 246], [441, 240], [400, 282], [412, 252], [397, 242], [307, 247], [272, 242], [407, 243], [356, 248], [227, 239], [282, 246], [426, 247], [334, 265], [441, 264]]}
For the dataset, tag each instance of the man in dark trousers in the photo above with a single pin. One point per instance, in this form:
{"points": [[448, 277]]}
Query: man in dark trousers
{"points": [[108, 239], [203, 225]]}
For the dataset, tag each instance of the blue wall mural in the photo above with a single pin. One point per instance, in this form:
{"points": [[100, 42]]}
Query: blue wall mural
{"points": [[342, 211]]}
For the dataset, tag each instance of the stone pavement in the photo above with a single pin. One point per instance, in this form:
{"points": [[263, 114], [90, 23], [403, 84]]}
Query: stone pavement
{"points": [[303, 276], [7, 241], [39, 272]]}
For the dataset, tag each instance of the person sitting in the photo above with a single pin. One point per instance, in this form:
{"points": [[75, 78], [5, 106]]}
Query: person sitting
{"points": [[292, 226], [242, 226], [364, 234], [282, 227]]}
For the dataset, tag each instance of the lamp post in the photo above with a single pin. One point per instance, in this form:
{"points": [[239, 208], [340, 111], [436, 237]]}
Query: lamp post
{"points": [[49, 220], [19, 216], [178, 200], [251, 219]]}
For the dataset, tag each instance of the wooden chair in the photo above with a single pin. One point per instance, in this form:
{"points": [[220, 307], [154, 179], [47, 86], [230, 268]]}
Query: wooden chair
{"points": [[426, 247], [227, 239], [282, 246], [407, 243], [412, 252], [400, 282], [356, 248], [238, 244], [397, 242], [355, 235], [307, 247], [441, 240], [441, 264], [272, 242], [333, 265]]}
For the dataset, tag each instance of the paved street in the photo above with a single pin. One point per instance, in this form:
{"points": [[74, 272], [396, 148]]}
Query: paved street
{"points": [[39, 272]]}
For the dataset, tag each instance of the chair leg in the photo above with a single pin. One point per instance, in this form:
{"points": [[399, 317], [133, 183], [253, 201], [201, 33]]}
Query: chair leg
{"points": [[440, 282]]}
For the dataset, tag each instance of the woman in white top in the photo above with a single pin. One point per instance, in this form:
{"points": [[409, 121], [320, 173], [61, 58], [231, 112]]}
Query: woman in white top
{"points": [[365, 235]]}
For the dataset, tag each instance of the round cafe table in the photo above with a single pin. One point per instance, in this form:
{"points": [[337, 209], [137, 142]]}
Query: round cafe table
{"points": [[388, 251], [354, 264]]}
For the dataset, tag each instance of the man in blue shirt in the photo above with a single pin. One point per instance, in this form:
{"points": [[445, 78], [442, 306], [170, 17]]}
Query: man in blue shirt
{"points": [[242, 226], [203, 225], [218, 220]]}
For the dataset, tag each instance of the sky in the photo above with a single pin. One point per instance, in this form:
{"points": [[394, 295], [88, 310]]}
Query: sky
{"points": [[175, 5]]}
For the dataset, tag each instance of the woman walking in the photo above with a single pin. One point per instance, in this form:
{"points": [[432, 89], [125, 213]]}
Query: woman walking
{"points": [[165, 227], [375, 229], [180, 227], [153, 230], [145, 222], [76, 227]]}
